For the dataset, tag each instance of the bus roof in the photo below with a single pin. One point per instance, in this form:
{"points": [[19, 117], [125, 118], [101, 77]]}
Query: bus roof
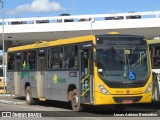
{"points": [[42, 44], [153, 41]]}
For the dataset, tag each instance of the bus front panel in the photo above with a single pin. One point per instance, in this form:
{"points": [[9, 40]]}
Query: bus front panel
{"points": [[122, 72]]}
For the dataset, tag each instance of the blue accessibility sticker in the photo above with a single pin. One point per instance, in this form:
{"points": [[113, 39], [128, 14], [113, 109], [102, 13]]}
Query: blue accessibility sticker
{"points": [[132, 75]]}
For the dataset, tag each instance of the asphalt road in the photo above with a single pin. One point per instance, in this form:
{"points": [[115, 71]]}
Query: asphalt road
{"points": [[62, 110]]}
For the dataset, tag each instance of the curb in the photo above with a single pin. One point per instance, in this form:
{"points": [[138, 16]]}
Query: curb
{"points": [[8, 101], [6, 95], [11, 102]]}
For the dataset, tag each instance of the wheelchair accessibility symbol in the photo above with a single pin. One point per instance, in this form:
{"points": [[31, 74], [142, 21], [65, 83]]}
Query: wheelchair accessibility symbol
{"points": [[132, 75]]}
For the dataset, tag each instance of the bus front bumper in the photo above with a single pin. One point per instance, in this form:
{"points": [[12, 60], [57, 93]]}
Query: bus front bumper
{"points": [[102, 99]]}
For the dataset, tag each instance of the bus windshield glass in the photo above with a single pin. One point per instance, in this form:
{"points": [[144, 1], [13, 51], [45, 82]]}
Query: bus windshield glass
{"points": [[127, 61]]}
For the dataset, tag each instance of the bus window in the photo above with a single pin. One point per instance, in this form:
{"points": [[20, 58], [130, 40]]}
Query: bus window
{"points": [[155, 57], [55, 59], [24, 63], [156, 62], [32, 59], [11, 61], [70, 56], [18, 61]]}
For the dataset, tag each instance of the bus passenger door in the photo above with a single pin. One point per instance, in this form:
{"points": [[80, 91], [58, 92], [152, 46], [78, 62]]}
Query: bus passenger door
{"points": [[86, 75], [41, 65], [17, 74]]}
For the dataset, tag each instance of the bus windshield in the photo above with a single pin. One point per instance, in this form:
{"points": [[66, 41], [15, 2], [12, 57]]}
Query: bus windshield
{"points": [[123, 63]]}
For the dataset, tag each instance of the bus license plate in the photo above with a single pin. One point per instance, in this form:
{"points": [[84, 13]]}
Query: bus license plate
{"points": [[127, 101]]}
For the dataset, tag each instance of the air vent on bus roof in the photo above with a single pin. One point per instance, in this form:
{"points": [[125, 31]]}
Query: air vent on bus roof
{"points": [[113, 33], [40, 42]]}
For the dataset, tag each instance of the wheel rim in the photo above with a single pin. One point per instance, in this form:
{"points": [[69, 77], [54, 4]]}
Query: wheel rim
{"points": [[28, 96], [75, 100]]}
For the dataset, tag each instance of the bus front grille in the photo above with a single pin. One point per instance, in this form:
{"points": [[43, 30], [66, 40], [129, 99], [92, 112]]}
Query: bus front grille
{"points": [[126, 85], [121, 99]]}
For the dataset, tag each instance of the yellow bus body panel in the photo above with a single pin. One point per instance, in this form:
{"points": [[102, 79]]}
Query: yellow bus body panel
{"points": [[53, 43], [102, 99]]}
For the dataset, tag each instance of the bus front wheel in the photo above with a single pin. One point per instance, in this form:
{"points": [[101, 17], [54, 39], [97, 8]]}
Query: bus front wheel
{"points": [[75, 101], [28, 95]]}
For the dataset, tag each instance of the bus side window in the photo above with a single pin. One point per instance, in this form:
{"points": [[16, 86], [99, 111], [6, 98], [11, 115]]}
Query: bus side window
{"points": [[18, 61], [24, 61], [42, 63], [11, 61], [155, 55], [156, 62], [32, 59], [70, 56], [55, 59], [49, 59]]}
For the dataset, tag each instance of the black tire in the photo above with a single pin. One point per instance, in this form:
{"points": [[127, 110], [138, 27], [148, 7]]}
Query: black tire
{"points": [[28, 96], [75, 101], [156, 88]]}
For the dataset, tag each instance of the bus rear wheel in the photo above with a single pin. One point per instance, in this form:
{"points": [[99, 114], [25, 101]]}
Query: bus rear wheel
{"points": [[75, 101], [28, 95]]}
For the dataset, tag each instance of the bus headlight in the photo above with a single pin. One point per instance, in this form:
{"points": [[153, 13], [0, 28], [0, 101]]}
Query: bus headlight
{"points": [[103, 90], [149, 88]]}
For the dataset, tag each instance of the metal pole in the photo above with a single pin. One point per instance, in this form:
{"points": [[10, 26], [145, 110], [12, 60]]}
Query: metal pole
{"points": [[92, 20], [4, 66], [72, 7]]}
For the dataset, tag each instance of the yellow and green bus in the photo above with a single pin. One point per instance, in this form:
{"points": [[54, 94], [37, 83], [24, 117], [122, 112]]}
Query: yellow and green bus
{"points": [[95, 70]]}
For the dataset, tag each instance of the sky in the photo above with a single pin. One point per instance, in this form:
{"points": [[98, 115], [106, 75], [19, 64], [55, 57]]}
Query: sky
{"points": [[43, 8]]}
